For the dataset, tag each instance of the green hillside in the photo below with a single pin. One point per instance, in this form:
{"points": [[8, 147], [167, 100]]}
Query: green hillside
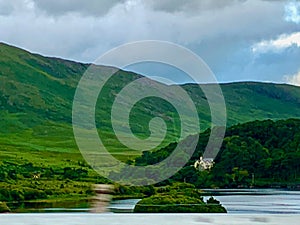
{"points": [[36, 95], [36, 136]]}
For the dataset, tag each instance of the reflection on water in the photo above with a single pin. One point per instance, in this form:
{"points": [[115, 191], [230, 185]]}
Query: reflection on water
{"points": [[126, 205], [60, 206]]}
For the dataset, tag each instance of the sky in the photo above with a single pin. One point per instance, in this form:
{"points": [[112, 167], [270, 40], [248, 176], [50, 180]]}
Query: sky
{"points": [[253, 40]]}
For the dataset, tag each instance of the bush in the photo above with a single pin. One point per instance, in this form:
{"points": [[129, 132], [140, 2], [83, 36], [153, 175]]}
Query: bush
{"points": [[16, 195], [4, 195], [161, 203], [4, 208], [176, 204], [179, 198], [32, 194]]}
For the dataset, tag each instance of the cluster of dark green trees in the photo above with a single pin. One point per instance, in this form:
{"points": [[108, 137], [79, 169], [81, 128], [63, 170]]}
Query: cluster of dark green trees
{"points": [[259, 153]]}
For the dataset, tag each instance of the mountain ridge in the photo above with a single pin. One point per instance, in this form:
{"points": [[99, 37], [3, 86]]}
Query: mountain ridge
{"points": [[71, 61]]}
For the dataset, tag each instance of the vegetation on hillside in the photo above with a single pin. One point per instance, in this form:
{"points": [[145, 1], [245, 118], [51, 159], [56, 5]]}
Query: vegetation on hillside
{"points": [[259, 153]]}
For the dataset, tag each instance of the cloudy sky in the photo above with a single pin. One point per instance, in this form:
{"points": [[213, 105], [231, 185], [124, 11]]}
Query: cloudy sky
{"points": [[238, 39]]}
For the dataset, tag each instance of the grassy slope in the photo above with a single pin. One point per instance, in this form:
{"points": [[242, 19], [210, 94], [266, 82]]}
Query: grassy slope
{"points": [[36, 96], [33, 93]]}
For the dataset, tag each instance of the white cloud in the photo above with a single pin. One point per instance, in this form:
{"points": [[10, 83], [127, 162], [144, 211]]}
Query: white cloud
{"points": [[282, 42], [292, 12], [292, 79]]}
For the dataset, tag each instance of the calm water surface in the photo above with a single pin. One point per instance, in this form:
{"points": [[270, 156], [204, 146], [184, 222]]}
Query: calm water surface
{"points": [[247, 207], [249, 201], [262, 201]]}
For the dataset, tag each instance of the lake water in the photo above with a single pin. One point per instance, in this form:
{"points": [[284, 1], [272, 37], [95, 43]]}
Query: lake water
{"points": [[249, 201], [259, 201], [273, 207]]}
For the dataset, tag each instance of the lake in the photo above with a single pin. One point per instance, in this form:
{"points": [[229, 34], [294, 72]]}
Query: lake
{"points": [[258, 201], [246, 201], [236, 201], [262, 206]]}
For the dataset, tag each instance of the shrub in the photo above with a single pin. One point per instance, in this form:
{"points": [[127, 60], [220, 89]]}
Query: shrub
{"points": [[4, 208], [32, 194], [179, 198], [16, 195]]}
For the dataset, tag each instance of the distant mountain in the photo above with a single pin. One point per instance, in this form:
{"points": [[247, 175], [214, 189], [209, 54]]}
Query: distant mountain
{"points": [[36, 95]]}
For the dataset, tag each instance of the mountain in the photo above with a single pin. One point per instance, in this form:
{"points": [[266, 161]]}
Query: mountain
{"points": [[36, 96]]}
